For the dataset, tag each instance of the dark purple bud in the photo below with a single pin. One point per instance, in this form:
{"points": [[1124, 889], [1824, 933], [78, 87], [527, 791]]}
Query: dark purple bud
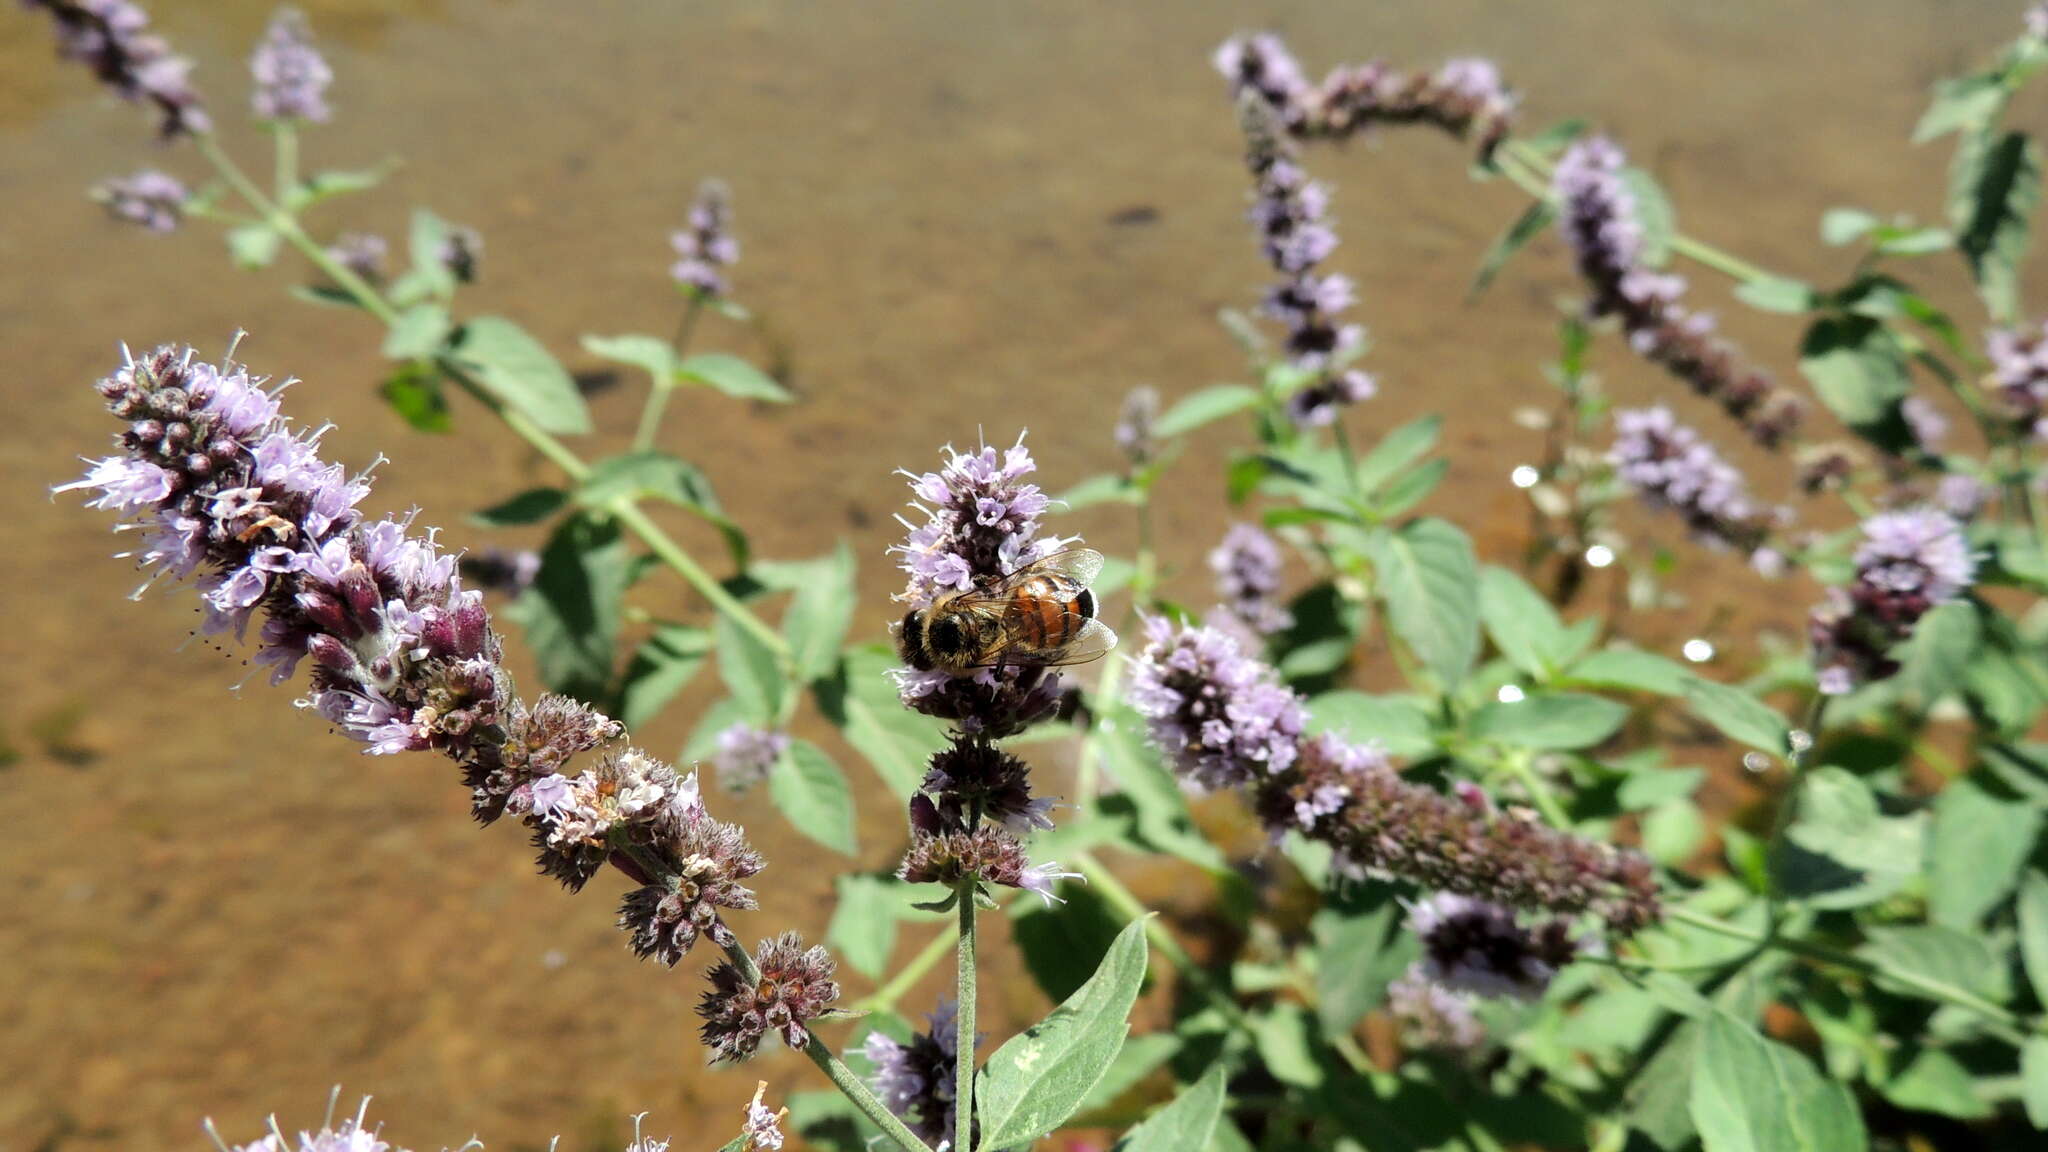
{"points": [[359, 591], [327, 613], [146, 432], [330, 653]]}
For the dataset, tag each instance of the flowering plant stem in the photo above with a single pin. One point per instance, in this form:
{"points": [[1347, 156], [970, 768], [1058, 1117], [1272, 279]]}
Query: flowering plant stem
{"points": [[626, 511], [657, 396], [963, 1066]]}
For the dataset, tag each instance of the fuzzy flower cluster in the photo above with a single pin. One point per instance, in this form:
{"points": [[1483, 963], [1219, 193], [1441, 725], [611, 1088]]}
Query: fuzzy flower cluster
{"points": [[344, 1134], [745, 754], [1477, 946], [153, 199], [1464, 97], [980, 522], [1670, 467], [2019, 376], [1246, 565], [290, 74], [1909, 561], [915, 1080], [362, 253], [112, 38], [791, 986], [1133, 431], [223, 491], [1432, 1016], [952, 852], [705, 246], [1601, 220], [1223, 719], [1290, 214]]}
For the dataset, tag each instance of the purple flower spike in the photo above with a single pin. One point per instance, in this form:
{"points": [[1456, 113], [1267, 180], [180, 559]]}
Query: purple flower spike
{"points": [[1465, 97], [795, 987], [746, 754], [1247, 570], [1601, 222], [291, 76], [705, 247], [1670, 467], [112, 38], [916, 1080], [1223, 718], [1909, 561], [1480, 947], [152, 199]]}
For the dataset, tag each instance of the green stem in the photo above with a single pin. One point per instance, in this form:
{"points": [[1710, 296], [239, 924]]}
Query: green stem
{"points": [[963, 1066], [657, 396], [1523, 769], [2009, 1025], [671, 553], [287, 171], [858, 1093]]}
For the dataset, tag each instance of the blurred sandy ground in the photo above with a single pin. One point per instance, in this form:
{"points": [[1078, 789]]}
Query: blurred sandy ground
{"points": [[213, 906]]}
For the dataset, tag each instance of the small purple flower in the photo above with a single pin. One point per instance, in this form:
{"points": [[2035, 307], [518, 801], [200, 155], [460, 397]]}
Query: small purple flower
{"points": [[1909, 561], [1223, 718], [1671, 467], [291, 76], [794, 988], [461, 250], [1961, 495], [1601, 222], [705, 246], [346, 1134], [746, 754], [1134, 436], [1262, 66], [1928, 425], [1433, 1016], [916, 1080], [972, 780], [112, 38], [763, 1128], [941, 853], [1247, 569], [2019, 372], [362, 253], [1480, 947], [152, 199]]}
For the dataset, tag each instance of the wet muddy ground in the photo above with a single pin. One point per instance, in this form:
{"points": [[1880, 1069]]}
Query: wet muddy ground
{"points": [[957, 222]]}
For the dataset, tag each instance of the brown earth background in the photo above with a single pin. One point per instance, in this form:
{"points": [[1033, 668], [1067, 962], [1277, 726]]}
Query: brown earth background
{"points": [[957, 220]]}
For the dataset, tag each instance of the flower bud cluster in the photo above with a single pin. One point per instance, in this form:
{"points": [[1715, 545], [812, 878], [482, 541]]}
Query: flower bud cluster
{"points": [[112, 38], [705, 246], [290, 74], [1603, 224], [1223, 719], [1464, 97], [916, 1080], [1671, 467], [1909, 561], [794, 986]]}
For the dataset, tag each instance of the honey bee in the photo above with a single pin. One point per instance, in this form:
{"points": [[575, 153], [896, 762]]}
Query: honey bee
{"points": [[1040, 616]]}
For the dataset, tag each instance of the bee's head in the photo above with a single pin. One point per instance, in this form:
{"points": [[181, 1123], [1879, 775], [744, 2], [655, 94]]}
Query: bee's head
{"points": [[910, 640]]}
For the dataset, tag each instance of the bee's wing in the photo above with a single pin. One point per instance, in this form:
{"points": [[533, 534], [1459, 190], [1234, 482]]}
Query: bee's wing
{"points": [[1092, 642], [1081, 565]]}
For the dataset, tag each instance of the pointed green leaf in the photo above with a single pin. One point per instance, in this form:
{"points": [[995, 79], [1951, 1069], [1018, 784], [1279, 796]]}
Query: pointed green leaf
{"points": [[414, 392], [529, 507], [863, 927], [1750, 1094], [1430, 581], [1198, 408], [1632, 669], [663, 664], [1980, 844], [650, 354], [1738, 715], [1038, 1078], [1994, 188], [516, 369], [1186, 1124], [571, 613], [734, 377], [418, 333], [1549, 721], [749, 669], [863, 702], [819, 613], [1530, 224], [1522, 623], [253, 245], [813, 793]]}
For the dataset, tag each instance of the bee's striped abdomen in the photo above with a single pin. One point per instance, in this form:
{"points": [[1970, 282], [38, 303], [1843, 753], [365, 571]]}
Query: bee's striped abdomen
{"points": [[1049, 619]]}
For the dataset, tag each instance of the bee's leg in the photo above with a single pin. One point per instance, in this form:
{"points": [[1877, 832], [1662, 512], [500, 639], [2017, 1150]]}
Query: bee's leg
{"points": [[1033, 673]]}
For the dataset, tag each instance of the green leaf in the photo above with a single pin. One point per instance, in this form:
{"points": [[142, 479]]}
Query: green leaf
{"points": [[1397, 451], [513, 367], [1653, 214], [1994, 188], [1400, 724], [253, 245], [1361, 947], [863, 927], [1979, 846], [1158, 806], [1857, 368], [2034, 1080], [1936, 1082], [650, 354], [1038, 1078], [1841, 851], [663, 664], [748, 667], [529, 507], [571, 613], [1750, 1094], [323, 186], [819, 614], [1530, 224], [325, 295], [1774, 294], [1285, 1040], [1549, 722], [1522, 623], [1738, 715], [1936, 659], [1430, 581], [663, 477], [428, 276], [1062, 946], [1139, 1057], [1184, 1125], [2033, 913], [418, 333], [1962, 104], [862, 701], [814, 795], [734, 377], [1631, 669], [1198, 408], [1958, 959], [1103, 489], [1839, 226], [414, 392]]}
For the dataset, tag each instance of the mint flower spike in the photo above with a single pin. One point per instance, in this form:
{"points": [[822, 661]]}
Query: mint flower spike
{"points": [[1909, 561], [705, 246], [1670, 466], [291, 77], [1224, 719], [227, 495], [112, 38], [916, 1080], [1602, 224], [151, 199]]}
